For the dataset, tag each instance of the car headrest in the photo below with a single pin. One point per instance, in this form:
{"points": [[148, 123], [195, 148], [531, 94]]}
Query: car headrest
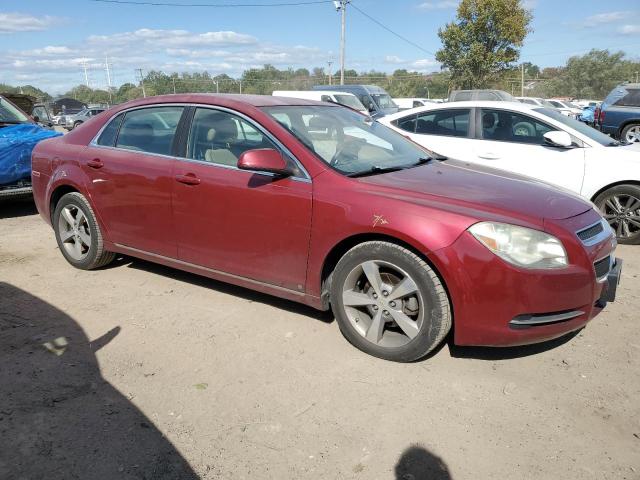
{"points": [[488, 120], [319, 123], [222, 129], [139, 129]]}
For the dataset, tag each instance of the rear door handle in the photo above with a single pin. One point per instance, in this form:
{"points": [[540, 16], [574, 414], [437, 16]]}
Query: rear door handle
{"points": [[188, 179], [95, 163], [489, 156]]}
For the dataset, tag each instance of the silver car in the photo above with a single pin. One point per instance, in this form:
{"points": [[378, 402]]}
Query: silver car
{"points": [[72, 121]]}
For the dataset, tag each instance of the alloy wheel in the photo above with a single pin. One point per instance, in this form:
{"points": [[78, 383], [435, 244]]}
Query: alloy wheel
{"points": [[633, 134], [75, 234], [622, 211], [383, 303]]}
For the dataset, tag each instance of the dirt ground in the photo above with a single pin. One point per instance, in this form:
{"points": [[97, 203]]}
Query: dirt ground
{"points": [[170, 375]]}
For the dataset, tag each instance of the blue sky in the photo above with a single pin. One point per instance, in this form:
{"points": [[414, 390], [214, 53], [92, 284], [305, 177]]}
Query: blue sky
{"points": [[47, 42]]}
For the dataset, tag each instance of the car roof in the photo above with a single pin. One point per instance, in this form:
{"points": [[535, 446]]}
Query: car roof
{"points": [[516, 106], [224, 99]]}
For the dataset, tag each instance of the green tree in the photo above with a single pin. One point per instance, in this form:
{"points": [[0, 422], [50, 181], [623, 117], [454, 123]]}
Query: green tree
{"points": [[483, 41]]}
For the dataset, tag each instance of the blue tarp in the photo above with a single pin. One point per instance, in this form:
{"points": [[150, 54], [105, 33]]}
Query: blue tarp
{"points": [[16, 145]]}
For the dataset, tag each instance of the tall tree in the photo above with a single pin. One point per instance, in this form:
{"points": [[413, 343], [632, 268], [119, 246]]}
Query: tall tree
{"points": [[483, 41]]}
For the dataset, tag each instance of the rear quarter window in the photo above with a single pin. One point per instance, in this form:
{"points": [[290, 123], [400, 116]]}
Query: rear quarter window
{"points": [[631, 98], [108, 136]]}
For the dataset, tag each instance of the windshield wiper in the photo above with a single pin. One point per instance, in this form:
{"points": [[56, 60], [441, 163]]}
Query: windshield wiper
{"points": [[615, 143], [374, 170]]}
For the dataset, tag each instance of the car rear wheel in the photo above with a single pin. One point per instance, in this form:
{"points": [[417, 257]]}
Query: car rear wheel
{"points": [[78, 233], [620, 206], [388, 302], [77, 124], [631, 133]]}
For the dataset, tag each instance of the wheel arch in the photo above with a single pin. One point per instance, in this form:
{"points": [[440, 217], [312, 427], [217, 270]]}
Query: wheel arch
{"points": [[614, 184], [57, 193], [346, 244], [626, 123]]}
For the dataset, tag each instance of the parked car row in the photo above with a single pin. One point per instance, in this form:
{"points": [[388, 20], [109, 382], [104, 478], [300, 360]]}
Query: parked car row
{"points": [[403, 242]]}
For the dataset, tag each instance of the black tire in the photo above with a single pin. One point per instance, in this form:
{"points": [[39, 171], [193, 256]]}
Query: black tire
{"points": [[624, 193], [625, 130], [434, 318], [96, 255], [76, 125]]}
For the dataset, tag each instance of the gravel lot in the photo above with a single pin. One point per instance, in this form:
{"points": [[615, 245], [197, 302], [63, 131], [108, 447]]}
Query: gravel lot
{"points": [[170, 375]]}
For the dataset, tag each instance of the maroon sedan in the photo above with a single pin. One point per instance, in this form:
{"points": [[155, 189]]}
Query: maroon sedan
{"points": [[318, 204]]}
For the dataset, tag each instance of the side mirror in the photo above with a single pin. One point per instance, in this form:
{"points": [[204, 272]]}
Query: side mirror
{"points": [[36, 118], [264, 160], [558, 139]]}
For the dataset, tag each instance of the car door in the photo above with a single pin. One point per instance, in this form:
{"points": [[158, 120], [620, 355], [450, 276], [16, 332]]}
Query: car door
{"points": [[129, 168], [444, 131], [249, 224], [515, 142]]}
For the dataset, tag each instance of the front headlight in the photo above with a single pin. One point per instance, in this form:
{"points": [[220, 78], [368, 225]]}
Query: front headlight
{"points": [[521, 246]]}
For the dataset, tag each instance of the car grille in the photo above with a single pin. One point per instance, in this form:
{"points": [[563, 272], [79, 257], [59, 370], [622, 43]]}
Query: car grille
{"points": [[602, 267], [590, 232]]}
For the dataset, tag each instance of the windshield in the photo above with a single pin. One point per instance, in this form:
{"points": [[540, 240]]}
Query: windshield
{"points": [[11, 114], [348, 141], [583, 128], [547, 103], [383, 100], [350, 101]]}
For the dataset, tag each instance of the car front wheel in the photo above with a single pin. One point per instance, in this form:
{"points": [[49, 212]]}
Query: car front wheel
{"points": [[389, 302], [78, 233], [620, 206], [77, 124]]}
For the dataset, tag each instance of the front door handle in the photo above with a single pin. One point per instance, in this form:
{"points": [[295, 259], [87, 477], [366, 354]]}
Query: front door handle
{"points": [[489, 156], [95, 163], [188, 179]]}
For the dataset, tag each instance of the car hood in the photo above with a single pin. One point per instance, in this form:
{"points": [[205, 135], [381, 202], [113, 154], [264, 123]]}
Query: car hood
{"points": [[483, 189]]}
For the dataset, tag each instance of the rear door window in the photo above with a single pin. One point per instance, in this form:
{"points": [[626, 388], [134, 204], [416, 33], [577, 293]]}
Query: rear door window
{"points": [[150, 130], [448, 123]]}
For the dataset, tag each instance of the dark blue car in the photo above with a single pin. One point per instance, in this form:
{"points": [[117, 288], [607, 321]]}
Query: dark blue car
{"points": [[620, 113]]}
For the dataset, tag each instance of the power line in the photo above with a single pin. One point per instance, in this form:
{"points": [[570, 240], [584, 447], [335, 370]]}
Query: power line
{"points": [[391, 31], [213, 5]]}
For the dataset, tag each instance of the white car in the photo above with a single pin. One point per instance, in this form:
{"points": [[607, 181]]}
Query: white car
{"points": [[537, 142], [406, 103], [565, 106], [343, 98], [541, 102]]}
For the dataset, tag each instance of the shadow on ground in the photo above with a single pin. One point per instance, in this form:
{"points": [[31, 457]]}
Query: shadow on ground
{"points": [[418, 463], [507, 353], [17, 208], [227, 288], [59, 419]]}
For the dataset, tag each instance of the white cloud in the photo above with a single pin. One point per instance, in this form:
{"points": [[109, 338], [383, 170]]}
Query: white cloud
{"points": [[438, 5], [604, 18], [629, 29], [146, 37], [530, 4], [393, 59], [149, 49], [21, 22]]}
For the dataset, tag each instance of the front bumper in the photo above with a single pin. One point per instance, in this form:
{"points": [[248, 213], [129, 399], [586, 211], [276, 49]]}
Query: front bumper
{"points": [[497, 304]]}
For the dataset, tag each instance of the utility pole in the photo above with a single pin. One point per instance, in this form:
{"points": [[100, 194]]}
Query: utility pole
{"points": [[217, 89], [522, 80], [173, 79], [341, 6], [144, 93], [85, 66], [330, 74], [637, 76], [107, 67]]}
